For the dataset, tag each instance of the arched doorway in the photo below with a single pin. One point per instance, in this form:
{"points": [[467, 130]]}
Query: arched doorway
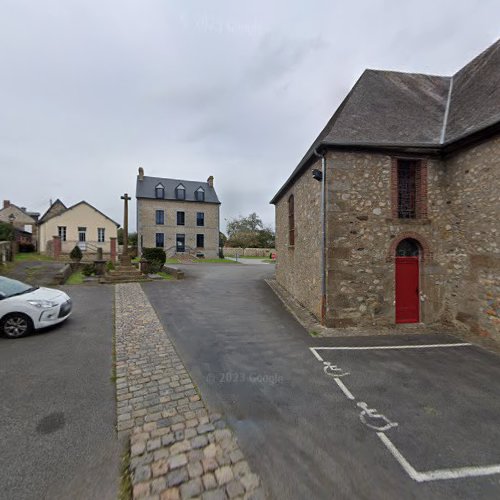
{"points": [[407, 263]]}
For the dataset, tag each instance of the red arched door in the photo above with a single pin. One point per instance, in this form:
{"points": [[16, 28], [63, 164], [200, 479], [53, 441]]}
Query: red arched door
{"points": [[407, 282]]}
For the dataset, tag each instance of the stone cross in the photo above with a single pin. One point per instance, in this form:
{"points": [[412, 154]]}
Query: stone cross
{"points": [[125, 257]]}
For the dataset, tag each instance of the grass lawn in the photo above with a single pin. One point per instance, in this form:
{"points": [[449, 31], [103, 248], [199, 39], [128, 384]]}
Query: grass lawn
{"points": [[75, 279], [31, 256], [172, 260], [165, 275]]}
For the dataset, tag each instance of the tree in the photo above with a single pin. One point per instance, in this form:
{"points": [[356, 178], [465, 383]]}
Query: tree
{"points": [[222, 239], [250, 224], [249, 232], [6, 232]]}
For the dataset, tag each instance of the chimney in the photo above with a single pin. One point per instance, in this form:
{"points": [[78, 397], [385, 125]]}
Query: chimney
{"points": [[6, 203], [210, 181], [141, 174]]}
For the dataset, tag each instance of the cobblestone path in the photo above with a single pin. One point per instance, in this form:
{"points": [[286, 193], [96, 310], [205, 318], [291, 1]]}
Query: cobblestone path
{"points": [[178, 449]]}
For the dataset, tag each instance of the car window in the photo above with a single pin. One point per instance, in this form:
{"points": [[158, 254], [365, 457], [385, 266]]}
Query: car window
{"points": [[9, 287]]}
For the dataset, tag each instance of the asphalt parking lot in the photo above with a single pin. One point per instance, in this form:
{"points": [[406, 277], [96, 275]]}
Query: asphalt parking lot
{"points": [[433, 406], [57, 417], [316, 434]]}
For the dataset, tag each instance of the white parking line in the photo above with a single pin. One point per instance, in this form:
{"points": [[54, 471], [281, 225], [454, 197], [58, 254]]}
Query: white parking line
{"points": [[438, 474], [433, 475], [315, 350], [344, 389], [376, 347]]}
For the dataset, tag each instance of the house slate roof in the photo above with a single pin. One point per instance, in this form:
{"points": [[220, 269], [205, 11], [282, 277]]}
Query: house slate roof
{"points": [[411, 110], [33, 215], [146, 189], [51, 216]]}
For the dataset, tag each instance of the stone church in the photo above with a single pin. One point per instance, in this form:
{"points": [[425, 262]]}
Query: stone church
{"points": [[392, 216]]}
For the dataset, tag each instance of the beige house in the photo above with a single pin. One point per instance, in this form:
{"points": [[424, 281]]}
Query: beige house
{"points": [[25, 222], [177, 215], [79, 225]]}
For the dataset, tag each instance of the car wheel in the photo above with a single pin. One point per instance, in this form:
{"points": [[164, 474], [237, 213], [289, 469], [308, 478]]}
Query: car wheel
{"points": [[16, 325]]}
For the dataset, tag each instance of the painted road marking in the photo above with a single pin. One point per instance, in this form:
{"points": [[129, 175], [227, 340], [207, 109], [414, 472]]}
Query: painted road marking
{"points": [[371, 413], [344, 389], [438, 474], [333, 370], [382, 347], [433, 475]]}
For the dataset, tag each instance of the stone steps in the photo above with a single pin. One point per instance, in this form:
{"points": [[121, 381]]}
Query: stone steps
{"points": [[123, 274]]}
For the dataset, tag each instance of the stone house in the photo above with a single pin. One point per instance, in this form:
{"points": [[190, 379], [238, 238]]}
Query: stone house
{"points": [[23, 221], [62, 228], [177, 215], [392, 216]]}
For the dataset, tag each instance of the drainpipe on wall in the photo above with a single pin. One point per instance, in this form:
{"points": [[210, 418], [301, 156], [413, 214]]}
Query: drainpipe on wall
{"points": [[323, 235]]}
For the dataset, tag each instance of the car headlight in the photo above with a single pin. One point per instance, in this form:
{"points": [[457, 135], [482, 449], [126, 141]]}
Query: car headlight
{"points": [[42, 304]]}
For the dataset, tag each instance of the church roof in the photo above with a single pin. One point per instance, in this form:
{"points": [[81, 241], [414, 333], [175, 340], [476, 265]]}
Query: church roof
{"points": [[410, 110]]}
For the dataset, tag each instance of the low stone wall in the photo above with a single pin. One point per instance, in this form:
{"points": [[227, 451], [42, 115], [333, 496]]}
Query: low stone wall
{"points": [[174, 271], [61, 277], [248, 252]]}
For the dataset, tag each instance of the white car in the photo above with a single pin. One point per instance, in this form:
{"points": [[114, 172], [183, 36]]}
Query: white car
{"points": [[24, 308]]}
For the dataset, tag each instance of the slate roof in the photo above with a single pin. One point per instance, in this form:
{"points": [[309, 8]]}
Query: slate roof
{"points": [[410, 110], [146, 189], [33, 215]]}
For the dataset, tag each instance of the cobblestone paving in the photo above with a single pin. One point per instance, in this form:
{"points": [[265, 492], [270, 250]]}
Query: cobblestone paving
{"points": [[177, 448]]}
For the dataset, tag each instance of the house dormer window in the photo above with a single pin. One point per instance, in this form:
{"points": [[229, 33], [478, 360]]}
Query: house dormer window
{"points": [[200, 194], [180, 192], [159, 191]]}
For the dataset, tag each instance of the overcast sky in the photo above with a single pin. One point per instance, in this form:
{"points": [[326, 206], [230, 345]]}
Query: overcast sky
{"points": [[91, 90]]}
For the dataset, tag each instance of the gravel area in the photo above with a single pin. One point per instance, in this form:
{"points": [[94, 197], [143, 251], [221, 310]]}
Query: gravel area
{"points": [[178, 449]]}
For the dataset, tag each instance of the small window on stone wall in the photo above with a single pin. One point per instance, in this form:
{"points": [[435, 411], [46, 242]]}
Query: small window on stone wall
{"points": [[291, 221]]}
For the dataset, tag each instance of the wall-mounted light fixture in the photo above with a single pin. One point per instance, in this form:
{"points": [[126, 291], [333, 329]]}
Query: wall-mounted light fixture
{"points": [[317, 174]]}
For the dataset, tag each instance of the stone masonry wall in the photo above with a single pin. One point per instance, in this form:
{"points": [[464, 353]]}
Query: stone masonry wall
{"points": [[363, 234], [474, 195], [459, 235], [147, 227], [298, 267]]}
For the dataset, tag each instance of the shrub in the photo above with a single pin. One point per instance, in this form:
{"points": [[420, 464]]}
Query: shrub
{"points": [[221, 253], [151, 254], [88, 269], [155, 266], [109, 265], [76, 253]]}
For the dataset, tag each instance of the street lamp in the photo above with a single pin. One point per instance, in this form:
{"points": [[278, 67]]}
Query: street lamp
{"points": [[12, 218]]}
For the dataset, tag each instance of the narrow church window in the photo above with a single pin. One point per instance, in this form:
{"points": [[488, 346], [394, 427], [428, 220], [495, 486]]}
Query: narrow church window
{"points": [[407, 189], [291, 221]]}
